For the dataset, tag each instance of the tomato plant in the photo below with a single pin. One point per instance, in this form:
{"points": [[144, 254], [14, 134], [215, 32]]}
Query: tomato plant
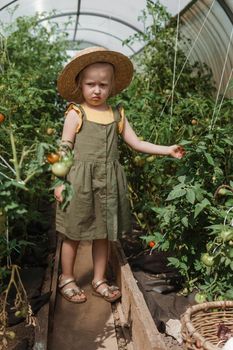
{"points": [[180, 211], [30, 103]]}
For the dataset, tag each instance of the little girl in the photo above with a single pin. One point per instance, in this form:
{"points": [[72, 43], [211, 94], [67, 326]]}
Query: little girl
{"points": [[99, 209]]}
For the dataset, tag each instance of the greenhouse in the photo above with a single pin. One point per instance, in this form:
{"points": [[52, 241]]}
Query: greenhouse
{"points": [[116, 175]]}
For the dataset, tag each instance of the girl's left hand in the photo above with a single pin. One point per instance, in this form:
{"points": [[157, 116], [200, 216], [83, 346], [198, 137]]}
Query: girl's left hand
{"points": [[177, 151]]}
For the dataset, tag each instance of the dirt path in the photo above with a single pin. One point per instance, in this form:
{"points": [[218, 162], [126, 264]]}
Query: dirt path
{"points": [[88, 326]]}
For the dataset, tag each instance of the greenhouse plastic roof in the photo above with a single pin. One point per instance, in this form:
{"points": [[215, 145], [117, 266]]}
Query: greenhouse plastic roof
{"points": [[208, 23], [95, 23]]}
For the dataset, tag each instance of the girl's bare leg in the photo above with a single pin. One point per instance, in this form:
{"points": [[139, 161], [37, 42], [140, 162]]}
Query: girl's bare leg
{"points": [[68, 256], [100, 259]]}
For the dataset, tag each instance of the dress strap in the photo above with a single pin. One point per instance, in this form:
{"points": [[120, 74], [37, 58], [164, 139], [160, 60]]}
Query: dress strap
{"points": [[121, 118], [79, 110]]}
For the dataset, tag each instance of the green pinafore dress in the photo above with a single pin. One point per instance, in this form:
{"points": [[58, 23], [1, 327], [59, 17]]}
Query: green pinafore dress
{"points": [[99, 207]]}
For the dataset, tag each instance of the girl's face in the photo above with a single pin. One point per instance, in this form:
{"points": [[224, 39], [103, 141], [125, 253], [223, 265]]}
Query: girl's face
{"points": [[96, 84]]}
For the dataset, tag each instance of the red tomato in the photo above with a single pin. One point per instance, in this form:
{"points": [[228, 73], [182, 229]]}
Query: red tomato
{"points": [[53, 158], [2, 118], [151, 244]]}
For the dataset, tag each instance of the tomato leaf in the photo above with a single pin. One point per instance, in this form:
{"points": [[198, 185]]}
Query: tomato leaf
{"points": [[190, 195], [200, 206], [209, 159], [176, 193], [184, 221]]}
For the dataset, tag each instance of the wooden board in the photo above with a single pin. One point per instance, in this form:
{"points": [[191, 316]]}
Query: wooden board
{"points": [[42, 318], [137, 318]]}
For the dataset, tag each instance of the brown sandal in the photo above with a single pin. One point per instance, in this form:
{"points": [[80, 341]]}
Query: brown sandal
{"points": [[105, 293], [69, 293]]}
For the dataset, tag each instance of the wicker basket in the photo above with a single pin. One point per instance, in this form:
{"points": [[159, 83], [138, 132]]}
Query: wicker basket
{"points": [[200, 324]]}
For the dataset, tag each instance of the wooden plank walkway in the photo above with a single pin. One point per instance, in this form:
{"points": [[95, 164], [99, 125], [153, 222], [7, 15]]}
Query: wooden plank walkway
{"points": [[88, 326]]}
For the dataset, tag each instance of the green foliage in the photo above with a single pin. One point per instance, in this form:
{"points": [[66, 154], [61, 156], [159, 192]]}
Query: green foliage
{"points": [[30, 58], [176, 198]]}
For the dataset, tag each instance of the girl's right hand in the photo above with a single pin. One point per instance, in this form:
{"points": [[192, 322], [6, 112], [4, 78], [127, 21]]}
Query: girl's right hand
{"points": [[58, 193]]}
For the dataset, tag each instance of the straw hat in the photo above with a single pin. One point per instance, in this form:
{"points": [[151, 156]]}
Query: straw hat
{"points": [[123, 70]]}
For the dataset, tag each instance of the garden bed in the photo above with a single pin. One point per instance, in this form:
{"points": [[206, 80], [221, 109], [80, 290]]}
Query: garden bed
{"points": [[135, 314], [159, 286]]}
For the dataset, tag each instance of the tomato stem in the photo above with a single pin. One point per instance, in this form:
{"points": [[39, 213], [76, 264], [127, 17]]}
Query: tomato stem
{"points": [[15, 160]]}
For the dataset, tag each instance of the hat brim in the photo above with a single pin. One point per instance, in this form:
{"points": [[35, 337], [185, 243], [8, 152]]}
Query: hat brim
{"points": [[67, 82]]}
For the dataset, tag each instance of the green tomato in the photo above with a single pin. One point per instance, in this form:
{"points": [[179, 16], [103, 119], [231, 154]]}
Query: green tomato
{"points": [[200, 297], [140, 216], [222, 191], [18, 313], [68, 160], [207, 259], [139, 161], [150, 159], [226, 234], [60, 169], [10, 335]]}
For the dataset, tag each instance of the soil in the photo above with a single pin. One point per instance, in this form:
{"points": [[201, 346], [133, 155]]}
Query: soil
{"points": [[24, 337], [121, 341], [33, 266]]}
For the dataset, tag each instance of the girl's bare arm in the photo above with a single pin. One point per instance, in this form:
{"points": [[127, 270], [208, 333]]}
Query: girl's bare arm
{"points": [[68, 135], [71, 123], [134, 142]]}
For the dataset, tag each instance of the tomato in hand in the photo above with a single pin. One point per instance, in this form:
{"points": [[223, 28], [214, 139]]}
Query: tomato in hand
{"points": [[68, 160], [60, 169], [179, 152], [53, 158]]}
